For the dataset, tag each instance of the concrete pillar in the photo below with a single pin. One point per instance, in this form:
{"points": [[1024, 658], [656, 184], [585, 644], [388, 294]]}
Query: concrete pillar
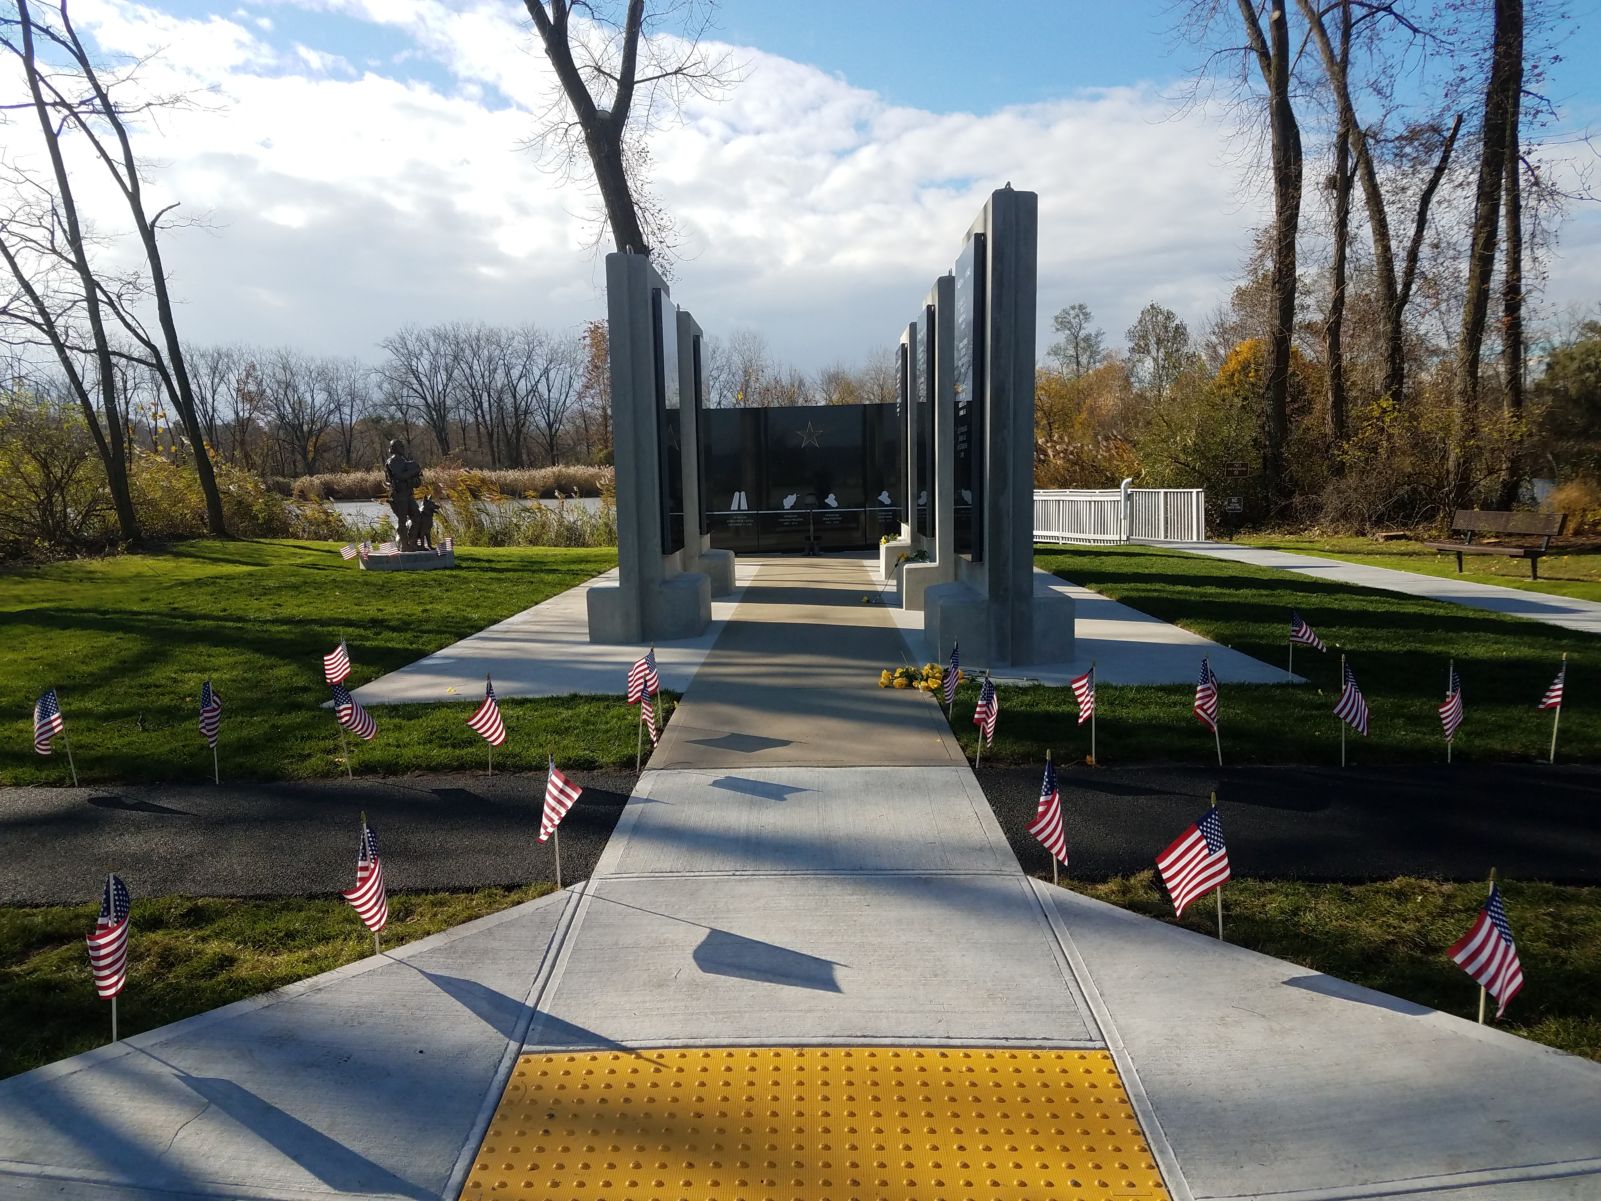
{"points": [[941, 405], [655, 600], [697, 555]]}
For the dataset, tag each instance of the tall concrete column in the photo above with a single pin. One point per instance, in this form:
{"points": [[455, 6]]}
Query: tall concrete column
{"points": [[940, 403], [655, 599], [697, 555]]}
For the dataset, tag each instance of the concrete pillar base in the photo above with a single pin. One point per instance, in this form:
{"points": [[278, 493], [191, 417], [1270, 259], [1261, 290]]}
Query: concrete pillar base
{"points": [[959, 613], [680, 607], [888, 553], [718, 567]]}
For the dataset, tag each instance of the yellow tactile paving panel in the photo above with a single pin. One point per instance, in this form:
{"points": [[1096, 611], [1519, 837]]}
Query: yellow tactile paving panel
{"points": [[814, 1124]]}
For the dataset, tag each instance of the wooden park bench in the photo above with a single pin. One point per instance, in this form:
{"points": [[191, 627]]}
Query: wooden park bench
{"points": [[1469, 522]]}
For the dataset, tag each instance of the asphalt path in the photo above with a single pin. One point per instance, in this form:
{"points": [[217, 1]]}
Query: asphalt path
{"points": [[464, 831], [1353, 824], [296, 839]]}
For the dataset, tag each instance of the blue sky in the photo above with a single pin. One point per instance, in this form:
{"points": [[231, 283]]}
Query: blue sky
{"points": [[361, 164]]}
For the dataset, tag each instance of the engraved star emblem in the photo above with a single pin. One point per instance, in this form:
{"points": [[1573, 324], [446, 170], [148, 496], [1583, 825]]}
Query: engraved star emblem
{"points": [[808, 436]]}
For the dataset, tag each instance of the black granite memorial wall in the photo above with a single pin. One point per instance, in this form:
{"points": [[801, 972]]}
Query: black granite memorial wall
{"points": [[822, 477]]}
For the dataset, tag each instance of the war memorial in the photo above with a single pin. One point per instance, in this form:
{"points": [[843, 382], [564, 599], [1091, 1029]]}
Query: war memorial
{"points": [[804, 961]]}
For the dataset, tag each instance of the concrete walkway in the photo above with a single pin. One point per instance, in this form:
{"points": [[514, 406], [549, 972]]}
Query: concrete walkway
{"points": [[753, 903], [1582, 616]]}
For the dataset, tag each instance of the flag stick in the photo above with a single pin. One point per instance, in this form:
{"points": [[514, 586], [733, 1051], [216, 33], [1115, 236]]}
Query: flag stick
{"points": [[377, 947], [1219, 892], [1290, 671], [1556, 716], [639, 735], [1048, 851], [656, 697], [491, 758], [555, 837], [344, 746], [1342, 720], [1450, 674], [1218, 738], [66, 738], [1093, 681], [216, 772], [113, 1019], [1482, 989]]}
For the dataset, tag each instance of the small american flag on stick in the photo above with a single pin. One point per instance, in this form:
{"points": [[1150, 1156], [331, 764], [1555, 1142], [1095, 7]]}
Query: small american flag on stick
{"points": [[486, 721], [1553, 695], [1451, 710], [1205, 708], [348, 551], [987, 712], [1303, 633], [1196, 862], [352, 716], [369, 898], [560, 794], [336, 664], [643, 678], [210, 713], [1488, 954], [1352, 709], [1047, 823], [108, 942], [47, 721], [953, 673], [1084, 694]]}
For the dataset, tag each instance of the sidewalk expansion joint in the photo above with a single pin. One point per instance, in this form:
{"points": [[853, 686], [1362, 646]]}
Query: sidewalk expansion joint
{"points": [[1422, 1186]]}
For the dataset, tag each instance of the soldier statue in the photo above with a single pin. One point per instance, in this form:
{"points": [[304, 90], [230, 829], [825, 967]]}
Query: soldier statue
{"points": [[405, 477]]}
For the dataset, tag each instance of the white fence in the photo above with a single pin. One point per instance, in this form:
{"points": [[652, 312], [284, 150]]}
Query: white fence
{"points": [[1119, 515]]}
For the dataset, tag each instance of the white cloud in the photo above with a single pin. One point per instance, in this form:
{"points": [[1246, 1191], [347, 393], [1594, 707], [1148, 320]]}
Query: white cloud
{"points": [[345, 204]]}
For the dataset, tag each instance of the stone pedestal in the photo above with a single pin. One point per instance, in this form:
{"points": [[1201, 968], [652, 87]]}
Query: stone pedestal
{"points": [[409, 560]]}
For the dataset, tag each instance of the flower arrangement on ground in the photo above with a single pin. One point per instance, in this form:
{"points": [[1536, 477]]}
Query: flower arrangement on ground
{"points": [[927, 678]]}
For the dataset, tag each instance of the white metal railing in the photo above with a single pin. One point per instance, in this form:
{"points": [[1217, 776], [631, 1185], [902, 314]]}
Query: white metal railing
{"points": [[1082, 515]]}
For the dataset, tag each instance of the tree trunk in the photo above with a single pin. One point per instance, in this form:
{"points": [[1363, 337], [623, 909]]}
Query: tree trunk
{"points": [[1334, 327], [1512, 351], [1286, 225], [114, 446], [1481, 257]]}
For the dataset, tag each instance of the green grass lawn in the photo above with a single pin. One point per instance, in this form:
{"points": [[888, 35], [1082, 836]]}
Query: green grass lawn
{"points": [[130, 639], [188, 955], [1393, 935], [1572, 573], [1399, 648]]}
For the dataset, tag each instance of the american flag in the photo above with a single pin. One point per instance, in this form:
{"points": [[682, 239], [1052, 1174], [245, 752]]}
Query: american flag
{"points": [[953, 673], [988, 711], [450, 545], [487, 720], [108, 943], [1551, 700], [648, 711], [336, 664], [1451, 711], [368, 898], [1196, 863], [47, 721], [560, 793], [1352, 709], [348, 551], [388, 548], [1047, 823], [210, 713], [365, 548], [352, 716], [1302, 633], [1488, 954], [1206, 697], [643, 678], [1084, 693]]}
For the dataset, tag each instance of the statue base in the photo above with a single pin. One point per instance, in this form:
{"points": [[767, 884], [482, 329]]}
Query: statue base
{"points": [[409, 560]]}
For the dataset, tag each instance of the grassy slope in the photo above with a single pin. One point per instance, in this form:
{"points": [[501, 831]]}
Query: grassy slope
{"points": [[189, 955], [1392, 936], [130, 639], [1399, 648], [1576, 574]]}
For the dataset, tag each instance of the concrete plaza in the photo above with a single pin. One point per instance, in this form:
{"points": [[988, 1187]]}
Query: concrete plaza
{"points": [[809, 862]]}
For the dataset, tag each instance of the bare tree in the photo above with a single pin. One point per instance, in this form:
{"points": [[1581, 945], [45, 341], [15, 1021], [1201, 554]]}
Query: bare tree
{"points": [[620, 80], [303, 405], [556, 391], [1080, 348], [1158, 351], [422, 369]]}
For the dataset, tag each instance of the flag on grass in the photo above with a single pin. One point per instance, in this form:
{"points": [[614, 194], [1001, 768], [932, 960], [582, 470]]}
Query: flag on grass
{"points": [[210, 713], [1196, 863], [1352, 709], [1451, 711], [987, 712], [368, 898], [349, 551], [486, 721], [1047, 823], [1206, 696], [953, 673], [47, 721], [1488, 954], [1553, 695], [1084, 693], [1302, 633], [365, 548], [560, 793], [648, 711], [643, 679], [336, 664], [108, 942], [352, 716]]}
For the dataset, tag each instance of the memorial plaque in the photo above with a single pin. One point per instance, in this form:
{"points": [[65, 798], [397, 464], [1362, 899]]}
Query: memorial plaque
{"points": [[699, 402], [903, 416], [967, 506], [664, 314], [925, 499]]}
